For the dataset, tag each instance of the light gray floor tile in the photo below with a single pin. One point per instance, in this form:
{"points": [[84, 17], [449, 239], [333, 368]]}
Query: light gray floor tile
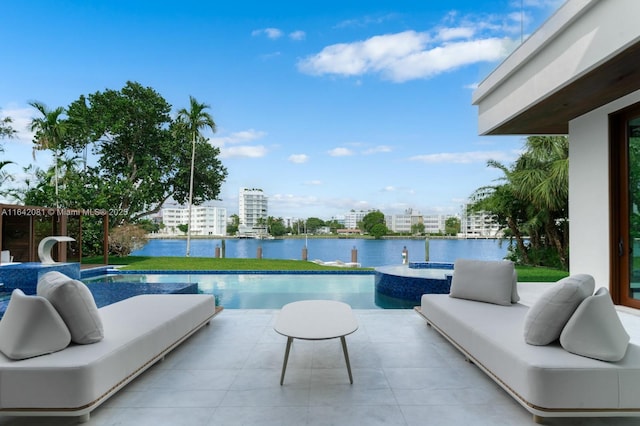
{"points": [[404, 373]]}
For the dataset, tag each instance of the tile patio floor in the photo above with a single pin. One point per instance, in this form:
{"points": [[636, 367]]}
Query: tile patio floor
{"points": [[404, 374]]}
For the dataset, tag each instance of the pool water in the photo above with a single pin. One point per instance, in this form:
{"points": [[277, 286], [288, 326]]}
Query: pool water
{"points": [[253, 291]]}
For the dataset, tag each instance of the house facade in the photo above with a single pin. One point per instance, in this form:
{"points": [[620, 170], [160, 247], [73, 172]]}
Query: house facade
{"points": [[578, 75]]}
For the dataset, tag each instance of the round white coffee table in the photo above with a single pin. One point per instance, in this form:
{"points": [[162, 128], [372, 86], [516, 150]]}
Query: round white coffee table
{"points": [[316, 320]]}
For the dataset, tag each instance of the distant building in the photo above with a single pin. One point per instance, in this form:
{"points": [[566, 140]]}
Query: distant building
{"points": [[403, 223], [353, 218], [253, 212], [436, 223], [205, 220], [479, 225]]}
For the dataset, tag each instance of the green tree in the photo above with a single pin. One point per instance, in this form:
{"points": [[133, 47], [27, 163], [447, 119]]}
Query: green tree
{"points": [[148, 226], [370, 219], [194, 119], [452, 226], [183, 227], [532, 200], [379, 230], [143, 155], [333, 225], [313, 224], [417, 228], [50, 131], [373, 223], [6, 129], [276, 227], [232, 227]]}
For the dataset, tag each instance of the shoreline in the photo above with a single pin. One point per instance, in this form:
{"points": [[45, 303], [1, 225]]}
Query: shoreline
{"points": [[331, 237]]}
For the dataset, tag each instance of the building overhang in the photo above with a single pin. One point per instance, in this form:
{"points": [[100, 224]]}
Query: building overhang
{"points": [[585, 56]]}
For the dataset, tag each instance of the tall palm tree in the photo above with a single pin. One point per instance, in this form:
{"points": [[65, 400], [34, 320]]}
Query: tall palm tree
{"points": [[49, 133], [194, 119]]}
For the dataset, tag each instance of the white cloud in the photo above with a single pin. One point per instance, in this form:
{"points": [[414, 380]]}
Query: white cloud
{"points": [[272, 33], [315, 182], [298, 158], [237, 144], [298, 35], [243, 136], [464, 157], [389, 188], [245, 151], [366, 21], [377, 149], [410, 55], [403, 56], [456, 33], [340, 152]]}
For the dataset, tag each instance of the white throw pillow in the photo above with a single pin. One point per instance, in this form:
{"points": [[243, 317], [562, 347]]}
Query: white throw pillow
{"points": [[595, 330], [484, 281], [548, 316], [30, 327], [75, 304]]}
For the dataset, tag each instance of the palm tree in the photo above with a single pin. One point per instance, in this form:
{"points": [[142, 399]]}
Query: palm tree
{"points": [[49, 133], [6, 131], [194, 119], [532, 198]]}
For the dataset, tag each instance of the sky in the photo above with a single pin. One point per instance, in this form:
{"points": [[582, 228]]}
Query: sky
{"points": [[326, 106]]}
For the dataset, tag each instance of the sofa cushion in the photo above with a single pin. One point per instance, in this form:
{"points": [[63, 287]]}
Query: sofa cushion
{"points": [[484, 281], [75, 304], [30, 327], [515, 297], [595, 330], [548, 316]]}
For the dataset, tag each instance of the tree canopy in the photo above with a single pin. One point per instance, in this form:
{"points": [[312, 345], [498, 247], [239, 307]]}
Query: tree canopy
{"points": [[143, 155], [531, 201], [373, 223]]}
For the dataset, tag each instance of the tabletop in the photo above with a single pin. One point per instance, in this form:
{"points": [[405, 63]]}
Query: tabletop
{"points": [[316, 320]]}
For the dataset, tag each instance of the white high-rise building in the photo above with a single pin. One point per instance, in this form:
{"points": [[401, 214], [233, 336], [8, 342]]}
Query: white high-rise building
{"points": [[252, 211], [352, 218], [479, 225], [205, 220]]}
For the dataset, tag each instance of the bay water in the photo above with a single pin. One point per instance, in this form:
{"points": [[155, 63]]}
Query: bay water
{"points": [[370, 253]]}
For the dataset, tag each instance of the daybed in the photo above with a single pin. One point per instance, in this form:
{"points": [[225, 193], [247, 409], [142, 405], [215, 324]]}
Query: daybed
{"points": [[535, 366], [129, 336]]}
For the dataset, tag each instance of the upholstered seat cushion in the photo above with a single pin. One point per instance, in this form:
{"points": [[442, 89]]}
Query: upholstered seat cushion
{"points": [[30, 327], [75, 304], [138, 331], [546, 377]]}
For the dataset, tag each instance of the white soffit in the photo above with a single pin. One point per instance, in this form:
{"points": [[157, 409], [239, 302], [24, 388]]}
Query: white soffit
{"points": [[579, 59]]}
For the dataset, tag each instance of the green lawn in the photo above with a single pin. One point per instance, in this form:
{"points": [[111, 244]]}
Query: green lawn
{"points": [[142, 263], [208, 263]]}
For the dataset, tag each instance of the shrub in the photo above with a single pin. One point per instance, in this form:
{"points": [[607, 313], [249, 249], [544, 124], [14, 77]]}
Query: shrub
{"points": [[126, 238]]}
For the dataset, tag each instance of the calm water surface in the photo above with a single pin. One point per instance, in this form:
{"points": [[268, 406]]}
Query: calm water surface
{"points": [[370, 253]]}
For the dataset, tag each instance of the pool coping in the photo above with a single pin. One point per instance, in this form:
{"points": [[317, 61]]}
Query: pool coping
{"points": [[88, 273]]}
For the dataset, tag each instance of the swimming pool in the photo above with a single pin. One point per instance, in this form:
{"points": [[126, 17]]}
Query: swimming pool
{"points": [[248, 290]]}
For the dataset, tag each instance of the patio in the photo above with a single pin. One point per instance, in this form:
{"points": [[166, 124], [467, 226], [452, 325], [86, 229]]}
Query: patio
{"points": [[404, 374]]}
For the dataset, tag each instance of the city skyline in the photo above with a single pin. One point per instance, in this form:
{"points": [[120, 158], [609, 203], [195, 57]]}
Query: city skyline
{"points": [[327, 108]]}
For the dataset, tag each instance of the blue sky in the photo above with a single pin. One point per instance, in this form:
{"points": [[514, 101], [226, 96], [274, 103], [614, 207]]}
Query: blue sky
{"points": [[326, 106]]}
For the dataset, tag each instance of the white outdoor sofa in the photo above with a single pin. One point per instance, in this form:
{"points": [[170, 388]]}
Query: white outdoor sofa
{"points": [[545, 378], [138, 332]]}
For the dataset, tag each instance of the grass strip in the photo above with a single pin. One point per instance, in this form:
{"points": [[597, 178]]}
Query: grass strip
{"points": [[142, 263]]}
